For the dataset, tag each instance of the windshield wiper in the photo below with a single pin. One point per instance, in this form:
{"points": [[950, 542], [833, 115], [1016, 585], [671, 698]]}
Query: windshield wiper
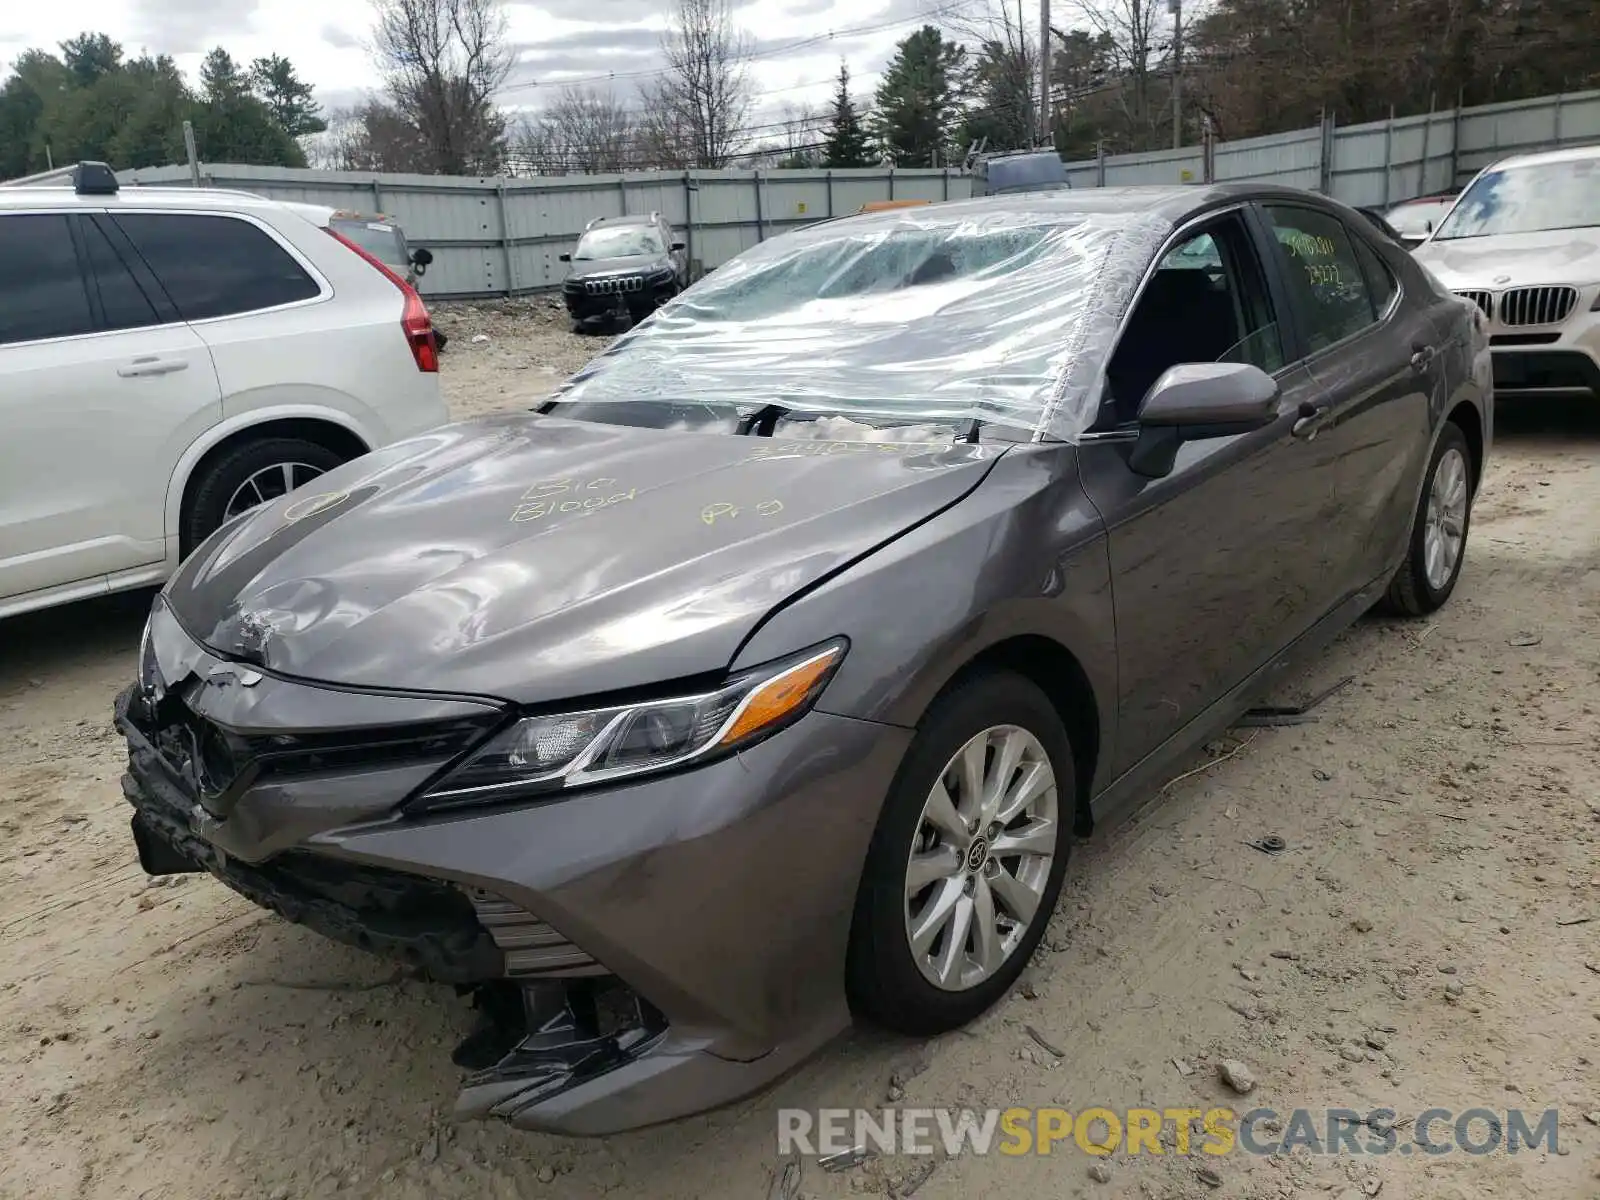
{"points": [[762, 422]]}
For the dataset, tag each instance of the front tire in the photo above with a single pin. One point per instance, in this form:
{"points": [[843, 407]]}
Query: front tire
{"points": [[249, 475], [1438, 545], [966, 864]]}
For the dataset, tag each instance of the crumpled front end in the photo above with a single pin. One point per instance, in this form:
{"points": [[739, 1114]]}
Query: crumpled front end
{"points": [[637, 952]]}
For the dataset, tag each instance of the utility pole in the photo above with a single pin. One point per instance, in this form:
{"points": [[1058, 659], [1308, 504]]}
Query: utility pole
{"points": [[189, 151], [1046, 133], [1176, 8]]}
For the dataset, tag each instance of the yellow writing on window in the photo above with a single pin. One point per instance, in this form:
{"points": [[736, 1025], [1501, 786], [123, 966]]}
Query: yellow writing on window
{"points": [[1306, 245]]}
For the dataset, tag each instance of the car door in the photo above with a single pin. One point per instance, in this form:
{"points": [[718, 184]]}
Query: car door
{"points": [[101, 390], [1219, 564], [1376, 359]]}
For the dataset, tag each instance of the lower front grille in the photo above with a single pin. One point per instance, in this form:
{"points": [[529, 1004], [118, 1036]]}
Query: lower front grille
{"points": [[532, 949], [1537, 305]]}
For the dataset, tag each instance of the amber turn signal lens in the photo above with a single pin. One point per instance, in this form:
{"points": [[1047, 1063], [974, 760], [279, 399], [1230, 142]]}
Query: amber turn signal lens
{"points": [[781, 695]]}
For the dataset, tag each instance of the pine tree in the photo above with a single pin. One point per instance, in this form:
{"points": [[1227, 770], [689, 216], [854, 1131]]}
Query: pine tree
{"points": [[221, 80], [919, 101], [274, 80], [846, 144]]}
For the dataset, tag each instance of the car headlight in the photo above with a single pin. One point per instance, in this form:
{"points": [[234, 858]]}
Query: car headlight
{"points": [[561, 751]]}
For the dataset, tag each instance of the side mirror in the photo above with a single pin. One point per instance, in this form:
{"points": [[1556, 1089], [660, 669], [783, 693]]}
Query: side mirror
{"points": [[1194, 401], [422, 257], [566, 258], [677, 246]]}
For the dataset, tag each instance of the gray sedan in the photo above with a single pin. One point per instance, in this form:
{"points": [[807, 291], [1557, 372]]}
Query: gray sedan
{"points": [[766, 674]]}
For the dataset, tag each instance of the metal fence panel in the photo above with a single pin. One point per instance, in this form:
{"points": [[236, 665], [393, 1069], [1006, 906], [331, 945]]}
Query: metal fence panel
{"points": [[493, 236], [1291, 159], [1495, 130], [1185, 165], [1377, 163]]}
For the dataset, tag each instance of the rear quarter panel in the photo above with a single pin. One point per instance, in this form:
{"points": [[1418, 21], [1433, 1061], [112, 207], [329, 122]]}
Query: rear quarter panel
{"points": [[344, 352]]}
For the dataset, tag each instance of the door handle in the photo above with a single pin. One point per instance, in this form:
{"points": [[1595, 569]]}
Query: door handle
{"points": [[1422, 357], [1310, 420], [151, 365]]}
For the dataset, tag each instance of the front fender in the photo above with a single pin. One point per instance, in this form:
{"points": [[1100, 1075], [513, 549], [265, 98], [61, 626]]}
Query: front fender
{"points": [[1024, 555]]}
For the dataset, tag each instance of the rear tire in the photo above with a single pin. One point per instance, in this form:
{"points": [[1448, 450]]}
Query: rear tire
{"points": [[261, 468], [1438, 545], [918, 867]]}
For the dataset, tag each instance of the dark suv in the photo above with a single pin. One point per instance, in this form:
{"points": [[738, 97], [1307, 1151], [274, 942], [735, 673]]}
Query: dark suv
{"points": [[623, 265]]}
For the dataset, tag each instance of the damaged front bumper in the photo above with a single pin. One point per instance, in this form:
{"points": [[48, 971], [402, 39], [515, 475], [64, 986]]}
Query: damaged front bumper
{"points": [[640, 952]]}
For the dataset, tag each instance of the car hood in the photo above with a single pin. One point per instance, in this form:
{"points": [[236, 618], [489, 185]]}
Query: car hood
{"points": [[584, 268], [1569, 256], [539, 559]]}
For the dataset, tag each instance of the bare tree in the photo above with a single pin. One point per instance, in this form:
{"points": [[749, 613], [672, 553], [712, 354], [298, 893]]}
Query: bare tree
{"points": [[373, 136], [442, 62], [705, 94], [1005, 74], [1133, 34], [665, 140], [797, 142], [801, 131], [583, 131]]}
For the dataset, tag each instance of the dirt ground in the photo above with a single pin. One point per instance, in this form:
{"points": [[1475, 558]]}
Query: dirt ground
{"points": [[1430, 937]]}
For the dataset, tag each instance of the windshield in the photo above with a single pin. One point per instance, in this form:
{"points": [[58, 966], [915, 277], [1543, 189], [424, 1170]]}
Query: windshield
{"points": [[380, 239], [998, 316], [1528, 199], [1417, 218], [619, 241]]}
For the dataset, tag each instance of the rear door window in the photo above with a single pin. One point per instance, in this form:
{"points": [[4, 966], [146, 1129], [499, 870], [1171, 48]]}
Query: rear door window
{"points": [[42, 289], [122, 301], [216, 266], [1323, 272]]}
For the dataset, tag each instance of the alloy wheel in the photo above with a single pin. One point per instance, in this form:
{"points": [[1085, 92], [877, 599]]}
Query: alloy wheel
{"points": [[267, 484], [1446, 519], [981, 857]]}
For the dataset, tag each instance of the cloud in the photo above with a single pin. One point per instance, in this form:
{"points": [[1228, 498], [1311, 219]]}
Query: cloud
{"points": [[188, 26], [339, 39], [335, 99], [603, 12]]}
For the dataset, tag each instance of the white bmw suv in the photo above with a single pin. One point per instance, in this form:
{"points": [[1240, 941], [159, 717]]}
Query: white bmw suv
{"points": [[171, 357], [1523, 243]]}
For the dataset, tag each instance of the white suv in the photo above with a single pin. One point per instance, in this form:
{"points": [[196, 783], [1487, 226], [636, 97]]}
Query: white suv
{"points": [[1523, 243], [170, 357]]}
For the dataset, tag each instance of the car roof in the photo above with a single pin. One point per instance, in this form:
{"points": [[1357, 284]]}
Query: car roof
{"points": [[625, 219], [132, 196], [1175, 202], [1566, 154]]}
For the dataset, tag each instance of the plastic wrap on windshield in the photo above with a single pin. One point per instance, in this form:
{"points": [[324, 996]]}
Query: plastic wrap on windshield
{"points": [[906, 317]]}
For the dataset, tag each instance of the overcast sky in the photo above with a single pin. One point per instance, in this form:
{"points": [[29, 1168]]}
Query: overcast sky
{"points": [[798, 42]]}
